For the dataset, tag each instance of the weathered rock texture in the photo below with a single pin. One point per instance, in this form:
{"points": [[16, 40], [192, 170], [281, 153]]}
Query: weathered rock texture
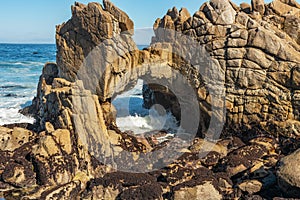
{"points": [[259, 60], [288, 174], [72, 150], [108, 21]]}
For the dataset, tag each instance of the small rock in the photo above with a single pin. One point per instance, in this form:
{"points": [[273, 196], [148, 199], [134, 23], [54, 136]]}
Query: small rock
{"points": [[11, 139], [19, 175], [199, 192], [211, 159], [49, 127], [253, 197], [259, 6], [250, 186], [67, 191], [243, 158], [245, 7], [151, 191]]}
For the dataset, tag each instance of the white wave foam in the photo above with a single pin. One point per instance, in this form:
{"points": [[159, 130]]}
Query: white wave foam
{"points": [[24, 63], [152, 122], [132, 116], [12, 115], [14, 102]]}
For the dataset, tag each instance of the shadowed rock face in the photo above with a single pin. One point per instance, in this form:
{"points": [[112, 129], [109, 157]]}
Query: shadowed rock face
{"points": [[251, 59]]}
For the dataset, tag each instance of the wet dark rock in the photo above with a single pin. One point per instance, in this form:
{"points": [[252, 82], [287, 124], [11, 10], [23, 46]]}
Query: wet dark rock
{"points": [[127, 185], [243, 158], [11, 95], [150, 191], [19, 175], [31, 127], [211, 159], [253, 197]]}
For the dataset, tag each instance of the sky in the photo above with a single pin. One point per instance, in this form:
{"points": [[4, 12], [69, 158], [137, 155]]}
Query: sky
{"points": [[34, 21]]}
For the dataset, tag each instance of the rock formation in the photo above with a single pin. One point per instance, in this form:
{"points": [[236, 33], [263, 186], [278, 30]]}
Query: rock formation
{"points": [[259, 61], [243, 60], [289, 175]]}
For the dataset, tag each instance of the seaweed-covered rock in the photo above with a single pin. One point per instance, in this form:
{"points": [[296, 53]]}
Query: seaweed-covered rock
{"points": [[120, 185], [19, 175]]}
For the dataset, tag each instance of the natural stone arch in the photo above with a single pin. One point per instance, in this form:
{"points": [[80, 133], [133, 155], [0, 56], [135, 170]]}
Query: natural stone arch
{"points": [[245, 49]]}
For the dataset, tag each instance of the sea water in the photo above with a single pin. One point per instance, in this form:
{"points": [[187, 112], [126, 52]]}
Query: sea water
{"points": [[20, 68], [132, 116]]}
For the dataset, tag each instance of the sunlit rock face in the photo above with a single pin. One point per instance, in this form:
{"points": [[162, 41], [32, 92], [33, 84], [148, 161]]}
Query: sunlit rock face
{"points": [[256, 55]]}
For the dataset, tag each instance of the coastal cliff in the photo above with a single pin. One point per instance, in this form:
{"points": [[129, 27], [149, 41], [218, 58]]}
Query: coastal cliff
{"points": [[236, 66]]}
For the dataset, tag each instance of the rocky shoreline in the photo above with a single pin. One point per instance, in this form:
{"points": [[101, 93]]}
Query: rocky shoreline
{"points": [[246, 75]]}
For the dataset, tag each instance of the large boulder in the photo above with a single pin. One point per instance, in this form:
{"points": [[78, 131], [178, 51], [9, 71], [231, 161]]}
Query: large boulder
{"points": [[289, 174]]}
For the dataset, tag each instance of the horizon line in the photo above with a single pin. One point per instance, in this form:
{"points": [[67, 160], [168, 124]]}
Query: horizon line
{"points": [[28, 43]]}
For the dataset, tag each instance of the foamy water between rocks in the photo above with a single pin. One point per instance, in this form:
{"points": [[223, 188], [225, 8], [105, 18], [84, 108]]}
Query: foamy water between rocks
{"points": [[132, 116]]}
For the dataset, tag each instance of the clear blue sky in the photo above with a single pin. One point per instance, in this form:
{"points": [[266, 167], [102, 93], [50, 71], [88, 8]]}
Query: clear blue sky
{"points": [[33, 21]]}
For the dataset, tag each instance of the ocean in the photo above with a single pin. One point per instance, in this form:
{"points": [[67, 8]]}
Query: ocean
{"points": [[20, 68], [132, 116]]}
